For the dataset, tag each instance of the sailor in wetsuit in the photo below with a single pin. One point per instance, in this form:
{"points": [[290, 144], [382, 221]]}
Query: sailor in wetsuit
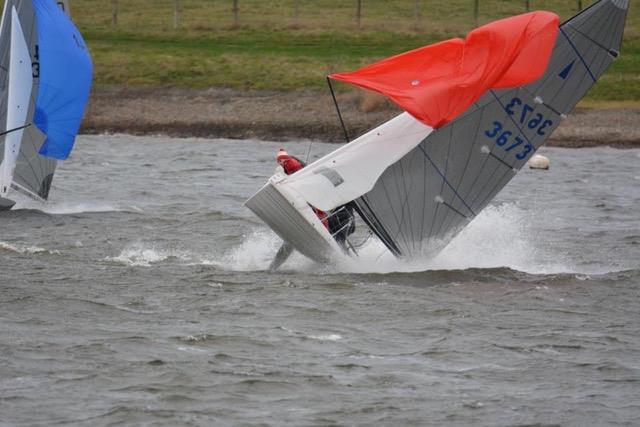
{"points": [[291, 164], [340, 222]]}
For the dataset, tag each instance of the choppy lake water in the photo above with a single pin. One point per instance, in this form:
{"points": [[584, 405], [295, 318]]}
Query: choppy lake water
{"points": [[138, 296]]}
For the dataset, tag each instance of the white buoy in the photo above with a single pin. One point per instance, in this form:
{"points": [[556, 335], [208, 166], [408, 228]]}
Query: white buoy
{"points": [[538, 161]]}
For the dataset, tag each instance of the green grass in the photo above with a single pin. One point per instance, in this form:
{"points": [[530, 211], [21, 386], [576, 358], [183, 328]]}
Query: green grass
{"points": [[270, 48], [279, 60]]}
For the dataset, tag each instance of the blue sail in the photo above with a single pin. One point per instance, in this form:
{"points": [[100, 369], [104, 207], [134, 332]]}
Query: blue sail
{"points": [[65, 71]]}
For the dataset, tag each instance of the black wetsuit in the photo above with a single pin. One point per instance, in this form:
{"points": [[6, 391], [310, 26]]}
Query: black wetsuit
{"points": [[342, 223]]}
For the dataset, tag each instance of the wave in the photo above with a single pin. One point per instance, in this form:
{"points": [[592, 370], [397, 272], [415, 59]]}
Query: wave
{"points": [[26, 250], [256, 253], [326, 337], [70, 208], [502, 241], [500, 237], [144, 255]]}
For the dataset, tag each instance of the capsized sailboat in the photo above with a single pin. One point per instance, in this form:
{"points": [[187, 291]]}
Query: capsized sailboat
{"points": [[475, 111], [45, 79]]}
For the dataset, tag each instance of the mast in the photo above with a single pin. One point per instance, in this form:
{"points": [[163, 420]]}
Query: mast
{"points": [[19, 92]]}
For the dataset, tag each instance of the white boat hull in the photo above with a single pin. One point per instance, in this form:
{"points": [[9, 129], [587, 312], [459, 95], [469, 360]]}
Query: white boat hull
{"points": [[293, 219]]}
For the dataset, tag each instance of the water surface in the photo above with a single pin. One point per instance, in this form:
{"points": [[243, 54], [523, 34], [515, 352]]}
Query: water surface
{"points": [[139, 295]]}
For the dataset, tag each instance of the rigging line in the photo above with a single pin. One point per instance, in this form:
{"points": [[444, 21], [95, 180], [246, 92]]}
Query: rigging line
{"points": [[374, 223], [335, 102], [445, 180], [15, 129], [306, 160], [578, 53], [375, 227]]}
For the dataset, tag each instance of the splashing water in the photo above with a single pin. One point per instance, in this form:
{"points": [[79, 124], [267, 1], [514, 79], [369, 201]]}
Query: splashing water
{"points": [[257, 251], [144, 255], [501, 236], [66, 208], [26, 250]]}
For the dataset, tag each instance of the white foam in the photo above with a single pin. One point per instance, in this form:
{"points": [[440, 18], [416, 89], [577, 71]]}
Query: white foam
{"points": [[68, 208], [501, 236], [26, 250], [143, 255], [257, 251], [326, 337], [194, 350]]}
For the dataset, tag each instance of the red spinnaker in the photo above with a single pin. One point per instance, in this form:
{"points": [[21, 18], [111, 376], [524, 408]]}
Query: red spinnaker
{"points": [[436, 83]]}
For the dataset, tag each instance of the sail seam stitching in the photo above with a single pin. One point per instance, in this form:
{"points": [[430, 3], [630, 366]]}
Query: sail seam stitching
{"points": [[445, 180]]}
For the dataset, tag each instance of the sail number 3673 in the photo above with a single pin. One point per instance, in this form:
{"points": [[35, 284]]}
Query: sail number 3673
{"points": [[535, 122], [504, 138]]}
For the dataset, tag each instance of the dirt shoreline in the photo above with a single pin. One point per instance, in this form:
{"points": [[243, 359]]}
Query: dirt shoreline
{"points": [[300, 115]]}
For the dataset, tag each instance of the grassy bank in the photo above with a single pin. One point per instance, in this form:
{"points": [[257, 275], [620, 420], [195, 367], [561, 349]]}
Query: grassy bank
{"points": [[274, 46]]}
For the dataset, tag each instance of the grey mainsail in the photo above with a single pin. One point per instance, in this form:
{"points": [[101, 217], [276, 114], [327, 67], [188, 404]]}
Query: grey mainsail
{"points": [[421, 202], [33, 172]]}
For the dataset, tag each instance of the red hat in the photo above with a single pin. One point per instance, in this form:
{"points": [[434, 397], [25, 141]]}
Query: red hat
{"points": [[281, 154]]}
